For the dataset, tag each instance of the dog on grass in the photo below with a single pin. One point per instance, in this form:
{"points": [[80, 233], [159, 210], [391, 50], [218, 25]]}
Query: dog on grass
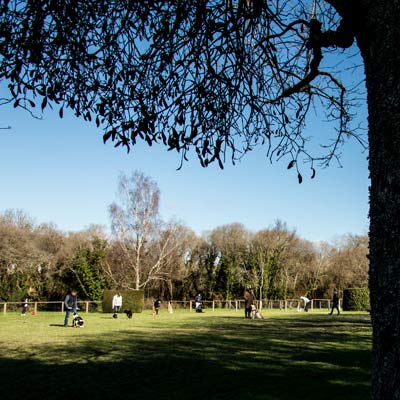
{"points": [[128, 313], [77, 321], [255, 313]]}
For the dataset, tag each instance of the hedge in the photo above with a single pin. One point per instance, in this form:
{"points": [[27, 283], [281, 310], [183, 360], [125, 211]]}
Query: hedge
{"points": [[131, 300], [356, 299]]}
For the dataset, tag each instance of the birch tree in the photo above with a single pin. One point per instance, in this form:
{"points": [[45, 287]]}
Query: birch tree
{"points": [[143, 243]]}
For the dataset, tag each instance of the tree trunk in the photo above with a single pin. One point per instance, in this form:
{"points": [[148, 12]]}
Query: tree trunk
{"points": [[378, 38]]}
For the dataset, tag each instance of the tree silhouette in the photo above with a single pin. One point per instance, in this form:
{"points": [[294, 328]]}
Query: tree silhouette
{"points": [[221, 77]]}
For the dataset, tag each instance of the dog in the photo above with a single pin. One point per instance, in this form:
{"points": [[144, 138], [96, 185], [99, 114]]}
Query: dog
{"points": [[128, 313], [77, 321], [255, 313]]}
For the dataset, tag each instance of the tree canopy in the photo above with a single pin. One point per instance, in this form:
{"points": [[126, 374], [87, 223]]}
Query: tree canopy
{"points": [[216, 76]]}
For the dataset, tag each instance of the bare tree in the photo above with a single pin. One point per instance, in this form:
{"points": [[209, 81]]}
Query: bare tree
{"points": [[145, 245], [349, 262]]}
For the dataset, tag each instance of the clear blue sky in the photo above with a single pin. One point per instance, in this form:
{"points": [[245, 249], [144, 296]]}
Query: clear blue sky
{"points": [[59, 170]]}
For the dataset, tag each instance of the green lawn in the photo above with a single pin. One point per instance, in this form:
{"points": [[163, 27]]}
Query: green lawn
{"points": [[215, 355]]}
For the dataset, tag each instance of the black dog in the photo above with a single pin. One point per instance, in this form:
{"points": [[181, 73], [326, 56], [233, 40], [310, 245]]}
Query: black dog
{"points": [[77, 321], [128, 313]]}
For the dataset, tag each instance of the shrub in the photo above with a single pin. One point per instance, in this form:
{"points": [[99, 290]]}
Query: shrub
{"points": [[356, 299], [131, 300]]}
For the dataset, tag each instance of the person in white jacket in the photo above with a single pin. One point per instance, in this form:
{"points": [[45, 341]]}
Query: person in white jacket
{"points": [[116, 304], [307, 302]]}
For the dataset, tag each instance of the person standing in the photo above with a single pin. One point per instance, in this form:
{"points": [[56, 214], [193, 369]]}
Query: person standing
{"points": [[335, 302], [24, 307], [198, 303], [157, 305], [71, 305], [116, 304], [249, 299]]}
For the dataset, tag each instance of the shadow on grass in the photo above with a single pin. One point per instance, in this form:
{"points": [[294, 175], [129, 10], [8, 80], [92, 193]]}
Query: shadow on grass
{"points": [[215, 358]]}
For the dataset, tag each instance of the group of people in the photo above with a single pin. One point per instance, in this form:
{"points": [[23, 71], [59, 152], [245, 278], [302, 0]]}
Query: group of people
{"points": [[250, 309], [117, 304], [71, 305], [334, 305]]}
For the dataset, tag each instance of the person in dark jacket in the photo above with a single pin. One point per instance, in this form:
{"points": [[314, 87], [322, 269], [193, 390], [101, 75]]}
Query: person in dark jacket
{"points": [[71, 305], [335, 302], [198, 301], [249, 299], [24, 307], [157, 305]]}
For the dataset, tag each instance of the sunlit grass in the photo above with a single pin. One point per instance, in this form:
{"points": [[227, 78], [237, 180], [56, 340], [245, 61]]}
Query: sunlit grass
{"points": [[215, 355]]}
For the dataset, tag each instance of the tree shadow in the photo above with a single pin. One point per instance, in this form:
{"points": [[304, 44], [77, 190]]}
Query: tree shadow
{"points": [[283, 358]]}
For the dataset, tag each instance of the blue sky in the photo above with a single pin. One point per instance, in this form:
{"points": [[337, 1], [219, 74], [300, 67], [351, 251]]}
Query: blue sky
{"points": [[59, 170]]}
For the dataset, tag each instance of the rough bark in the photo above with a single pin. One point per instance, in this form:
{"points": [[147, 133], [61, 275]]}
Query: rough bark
{"points": [[378, 37]]}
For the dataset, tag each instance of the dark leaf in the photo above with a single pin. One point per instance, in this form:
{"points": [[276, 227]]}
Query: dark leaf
{"points": [[106, 136], [291, 164], [44, 103], [300, 178], [313, 173]]}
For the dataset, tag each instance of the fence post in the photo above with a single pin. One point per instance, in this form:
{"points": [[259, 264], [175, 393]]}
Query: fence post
{"points": [[86, 306], [190, 306], [213, 305], [62, 306], [35, 307], [5, 308]]}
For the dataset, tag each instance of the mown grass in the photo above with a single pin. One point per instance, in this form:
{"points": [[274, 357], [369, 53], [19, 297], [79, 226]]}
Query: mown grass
{"points": [[215, 355]]}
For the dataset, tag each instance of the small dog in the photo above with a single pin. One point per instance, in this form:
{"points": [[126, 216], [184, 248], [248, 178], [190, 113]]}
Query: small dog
{"points": [[77, 321], [255, 313], [128, 313]]}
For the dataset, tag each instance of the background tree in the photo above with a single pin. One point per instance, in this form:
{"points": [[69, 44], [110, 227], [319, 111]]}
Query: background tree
{"points": [[166, 255], [221, 77], [315, 278], [277, 261], [349, 262], [231, 243], [86, 269], [204, 266], [182, 263], [143, 245], [134, 222], [21, 260]]}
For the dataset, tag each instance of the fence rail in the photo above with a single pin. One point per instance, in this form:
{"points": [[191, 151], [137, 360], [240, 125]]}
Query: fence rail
{"points": [[235, 305]]}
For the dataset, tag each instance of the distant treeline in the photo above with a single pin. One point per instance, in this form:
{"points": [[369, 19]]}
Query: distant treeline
{"points": [[171, 261]]}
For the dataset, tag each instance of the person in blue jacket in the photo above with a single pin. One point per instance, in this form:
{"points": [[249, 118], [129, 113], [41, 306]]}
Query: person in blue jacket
{"points": [[71, 305]]}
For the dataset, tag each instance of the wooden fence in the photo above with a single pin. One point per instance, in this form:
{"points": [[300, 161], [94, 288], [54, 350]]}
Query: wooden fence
{"points": [[235, 305]]}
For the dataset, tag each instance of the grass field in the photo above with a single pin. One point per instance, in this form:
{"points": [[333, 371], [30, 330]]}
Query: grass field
{"points": [[215, 355]]}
